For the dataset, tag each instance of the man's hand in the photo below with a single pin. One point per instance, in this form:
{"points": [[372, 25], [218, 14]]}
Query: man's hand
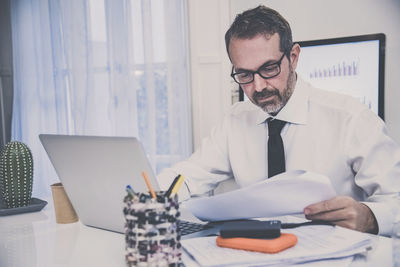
{"points": [[344, 211]]}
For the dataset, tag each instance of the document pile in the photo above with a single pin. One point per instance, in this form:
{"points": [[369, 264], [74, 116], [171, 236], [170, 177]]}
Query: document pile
{"points": [[283, 194], [315, 242]]}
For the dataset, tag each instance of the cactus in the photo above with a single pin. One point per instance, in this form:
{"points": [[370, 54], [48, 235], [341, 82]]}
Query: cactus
{"points": [[16, 175]]}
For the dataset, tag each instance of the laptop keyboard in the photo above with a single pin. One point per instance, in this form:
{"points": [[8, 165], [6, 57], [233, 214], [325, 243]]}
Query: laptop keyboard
{"points": [[191, 227]]}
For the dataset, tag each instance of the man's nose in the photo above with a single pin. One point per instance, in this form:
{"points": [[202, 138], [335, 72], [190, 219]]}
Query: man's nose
{"points": [[259, 82]]}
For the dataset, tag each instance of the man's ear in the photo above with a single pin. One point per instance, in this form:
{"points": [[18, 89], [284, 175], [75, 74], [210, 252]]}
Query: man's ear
{"points": [[294, 55]]}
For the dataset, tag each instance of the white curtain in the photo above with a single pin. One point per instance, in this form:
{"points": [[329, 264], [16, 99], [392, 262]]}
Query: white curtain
{"points": [[101, 67]]}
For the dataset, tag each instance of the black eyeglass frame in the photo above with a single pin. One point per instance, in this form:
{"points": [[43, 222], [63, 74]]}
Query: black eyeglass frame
{"points": [[278, 63]]}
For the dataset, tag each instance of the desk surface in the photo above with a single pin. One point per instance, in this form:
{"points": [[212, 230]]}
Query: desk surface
{"points": [[35, 240]]}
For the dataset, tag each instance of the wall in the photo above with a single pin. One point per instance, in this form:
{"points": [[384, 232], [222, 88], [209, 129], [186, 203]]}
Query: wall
{"points": [[6, 80], [210, 80]]}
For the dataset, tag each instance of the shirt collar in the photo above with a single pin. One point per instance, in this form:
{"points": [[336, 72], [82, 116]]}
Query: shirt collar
{"points": [[296, 109]]}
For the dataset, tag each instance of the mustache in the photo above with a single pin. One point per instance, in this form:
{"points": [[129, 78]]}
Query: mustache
{"points": [[266, 93]]}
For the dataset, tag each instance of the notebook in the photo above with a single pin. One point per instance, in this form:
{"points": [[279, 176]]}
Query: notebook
{"points": [[95, 171]]}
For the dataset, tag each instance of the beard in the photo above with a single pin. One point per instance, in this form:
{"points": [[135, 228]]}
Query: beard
{"points": [[275, 105]]}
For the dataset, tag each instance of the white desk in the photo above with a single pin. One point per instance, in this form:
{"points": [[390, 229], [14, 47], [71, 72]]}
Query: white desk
{"points": [[35, 240]]}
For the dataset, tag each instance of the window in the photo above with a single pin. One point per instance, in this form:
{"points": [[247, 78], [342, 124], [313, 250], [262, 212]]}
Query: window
{"points": [[95, 67]]}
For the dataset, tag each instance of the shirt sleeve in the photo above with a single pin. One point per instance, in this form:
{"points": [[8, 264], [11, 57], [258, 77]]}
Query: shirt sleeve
{"points": [[206, 168], [375, 159]]}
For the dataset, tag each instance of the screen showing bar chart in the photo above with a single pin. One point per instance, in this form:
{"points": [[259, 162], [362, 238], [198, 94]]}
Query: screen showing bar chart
{"points": [[340, 69], [348, 66]]}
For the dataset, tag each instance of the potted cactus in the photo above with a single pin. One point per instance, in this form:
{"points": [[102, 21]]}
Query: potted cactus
{"points": [[16, 175]]}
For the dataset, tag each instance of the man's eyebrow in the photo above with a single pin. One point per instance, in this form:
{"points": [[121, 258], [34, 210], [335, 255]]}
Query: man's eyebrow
{"points": [[241, 70], [269, 62]]}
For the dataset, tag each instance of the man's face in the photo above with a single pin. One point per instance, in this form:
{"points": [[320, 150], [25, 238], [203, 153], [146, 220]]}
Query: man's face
{"points": [[249, 55]]}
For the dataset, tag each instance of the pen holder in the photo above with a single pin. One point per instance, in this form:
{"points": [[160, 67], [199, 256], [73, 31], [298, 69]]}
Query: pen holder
{"points": [[151, 230]]}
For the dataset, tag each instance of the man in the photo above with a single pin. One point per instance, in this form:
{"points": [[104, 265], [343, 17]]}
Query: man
{"points": [[319, 131]]}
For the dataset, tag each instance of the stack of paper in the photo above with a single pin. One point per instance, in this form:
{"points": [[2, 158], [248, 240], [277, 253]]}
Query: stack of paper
{"points": [[314, 243], [283, 194]]}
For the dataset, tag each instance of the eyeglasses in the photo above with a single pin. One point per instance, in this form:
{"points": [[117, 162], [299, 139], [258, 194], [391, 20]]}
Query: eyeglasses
{"points": [[266, 71]]}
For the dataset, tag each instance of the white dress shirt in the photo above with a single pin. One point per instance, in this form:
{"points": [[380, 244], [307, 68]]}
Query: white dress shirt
{"points": [[327, 133]]}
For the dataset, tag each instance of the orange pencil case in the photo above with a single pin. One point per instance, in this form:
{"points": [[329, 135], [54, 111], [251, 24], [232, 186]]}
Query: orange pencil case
{"points": [[260, 245]]}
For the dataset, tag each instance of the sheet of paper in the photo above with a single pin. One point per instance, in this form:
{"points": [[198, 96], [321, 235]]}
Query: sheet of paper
{"points": [[336, 262], [283, 194], [314, 243]]}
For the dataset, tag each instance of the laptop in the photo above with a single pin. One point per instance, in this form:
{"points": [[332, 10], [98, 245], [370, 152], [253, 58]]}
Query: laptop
{"points": [[95, 171]]}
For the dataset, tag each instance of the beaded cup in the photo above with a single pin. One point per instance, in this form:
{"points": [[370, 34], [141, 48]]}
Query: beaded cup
{"points": [[151, 230]]}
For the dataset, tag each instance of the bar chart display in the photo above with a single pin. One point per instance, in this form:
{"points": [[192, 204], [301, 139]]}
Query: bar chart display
{"points": [[339, 70], [350, 68]]}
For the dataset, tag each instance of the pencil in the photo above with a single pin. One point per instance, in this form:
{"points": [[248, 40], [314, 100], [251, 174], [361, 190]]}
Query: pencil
{"points": [[146, 179], [168, 192], [177, 186]]}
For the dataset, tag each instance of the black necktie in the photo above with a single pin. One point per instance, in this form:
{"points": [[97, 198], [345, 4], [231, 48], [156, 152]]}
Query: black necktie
{"points": [[276, 154]]}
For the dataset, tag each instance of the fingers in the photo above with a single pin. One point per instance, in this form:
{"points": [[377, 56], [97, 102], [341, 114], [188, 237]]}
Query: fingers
{"points": [[339, 210], [337, 203], [334, 215], [343, 217], [343, 211]]}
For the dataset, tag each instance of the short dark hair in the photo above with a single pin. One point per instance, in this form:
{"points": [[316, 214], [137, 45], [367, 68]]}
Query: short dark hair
{"points": [[260, 20]]}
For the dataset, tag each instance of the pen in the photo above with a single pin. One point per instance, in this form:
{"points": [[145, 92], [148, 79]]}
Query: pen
{"points": [[130, 190], [168, 192], [177, 186], [146, 179]]}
